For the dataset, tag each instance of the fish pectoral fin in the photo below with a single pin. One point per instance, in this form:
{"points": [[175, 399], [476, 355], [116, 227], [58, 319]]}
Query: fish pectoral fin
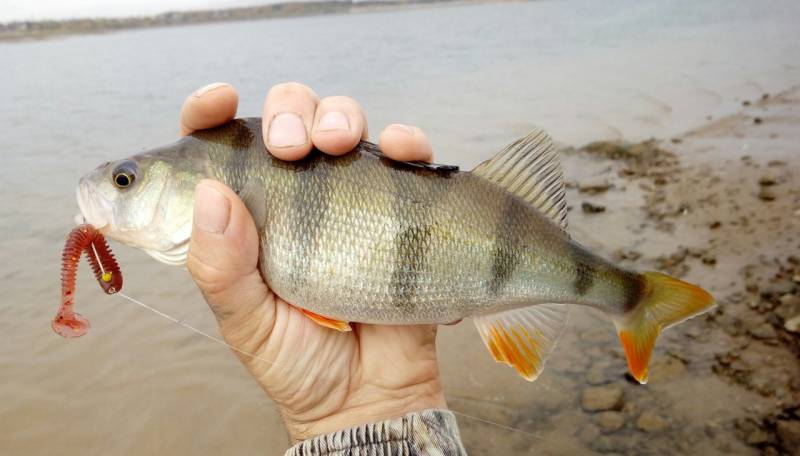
{"points": [[338, 325], [254, 197], [523, 338]]}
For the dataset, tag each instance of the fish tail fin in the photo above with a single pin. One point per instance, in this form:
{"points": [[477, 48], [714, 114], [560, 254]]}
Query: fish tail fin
{"points": [[665, 301]]}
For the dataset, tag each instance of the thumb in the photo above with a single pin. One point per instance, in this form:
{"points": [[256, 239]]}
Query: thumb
{"points": [[223, 259]]}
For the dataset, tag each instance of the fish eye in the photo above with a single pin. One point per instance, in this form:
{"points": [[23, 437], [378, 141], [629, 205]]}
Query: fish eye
{"points": [[124, 174], [123, 180]]}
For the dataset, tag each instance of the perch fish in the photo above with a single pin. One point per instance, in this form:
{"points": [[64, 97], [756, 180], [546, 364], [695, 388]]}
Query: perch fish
{"points": [[361, 238]]}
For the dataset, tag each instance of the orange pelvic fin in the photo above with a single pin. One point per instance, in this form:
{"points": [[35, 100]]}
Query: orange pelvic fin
{"points": [[523, 338], [338, 325]]}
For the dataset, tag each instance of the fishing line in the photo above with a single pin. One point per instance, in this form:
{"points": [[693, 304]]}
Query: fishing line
{"points": [[186, 325], [501, 426]]}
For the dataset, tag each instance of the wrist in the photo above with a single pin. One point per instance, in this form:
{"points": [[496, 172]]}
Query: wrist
{"points": [[367, 404]]}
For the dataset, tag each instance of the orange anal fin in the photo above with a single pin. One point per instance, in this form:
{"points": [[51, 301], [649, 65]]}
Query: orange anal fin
{"points": [[523, 338], [338, 325], [507, 346]]}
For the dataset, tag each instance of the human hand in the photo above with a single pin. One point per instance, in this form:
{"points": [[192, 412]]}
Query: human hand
{"points": [[321, 379]]}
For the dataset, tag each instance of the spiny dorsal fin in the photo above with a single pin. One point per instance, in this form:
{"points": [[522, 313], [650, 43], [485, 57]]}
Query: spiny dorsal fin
{"points": [[523, 338], [530, 169]]}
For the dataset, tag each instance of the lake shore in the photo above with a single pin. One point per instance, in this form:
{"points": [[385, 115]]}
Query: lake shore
{"points": [[44, 29], [718, 206]]}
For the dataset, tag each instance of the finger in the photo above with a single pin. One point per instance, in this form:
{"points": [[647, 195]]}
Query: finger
{"points": [[338, 125], [223, 258], [288, 116], [405, 143], [208, 107]]}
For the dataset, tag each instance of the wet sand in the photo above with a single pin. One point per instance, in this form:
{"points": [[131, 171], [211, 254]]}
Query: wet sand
{"points": [[718, 206]]}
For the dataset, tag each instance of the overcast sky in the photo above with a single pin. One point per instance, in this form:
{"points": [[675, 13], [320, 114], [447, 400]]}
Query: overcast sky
{"points": [[14, 10]]}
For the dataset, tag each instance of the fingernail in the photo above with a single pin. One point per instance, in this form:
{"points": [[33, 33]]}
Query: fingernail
{"points": [[287, 130], [209, 88], [334, 121], [211, 209], [400, 128]]}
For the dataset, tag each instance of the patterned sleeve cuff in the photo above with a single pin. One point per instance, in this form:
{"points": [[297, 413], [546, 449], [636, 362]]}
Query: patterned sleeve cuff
{"points": [[429, 432]]}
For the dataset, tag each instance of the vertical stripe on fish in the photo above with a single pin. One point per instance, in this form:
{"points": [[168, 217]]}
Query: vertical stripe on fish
{"points": [[505, 255]]}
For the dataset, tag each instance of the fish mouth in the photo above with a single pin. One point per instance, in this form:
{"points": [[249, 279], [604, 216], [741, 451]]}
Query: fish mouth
{"points": [[94, 210]]}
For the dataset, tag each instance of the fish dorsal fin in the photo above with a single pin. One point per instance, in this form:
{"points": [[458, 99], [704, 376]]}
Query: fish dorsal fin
{"points": [[523, 338], [529, 168]]}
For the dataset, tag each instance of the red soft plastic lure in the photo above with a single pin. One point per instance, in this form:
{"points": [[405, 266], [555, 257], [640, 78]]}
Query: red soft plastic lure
{"points": [[84, 239]]}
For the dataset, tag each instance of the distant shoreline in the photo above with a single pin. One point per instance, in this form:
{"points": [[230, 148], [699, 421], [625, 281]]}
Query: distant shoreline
{"points": [[38, 30]]}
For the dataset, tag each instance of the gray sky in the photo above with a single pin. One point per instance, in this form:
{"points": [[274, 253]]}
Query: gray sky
{"points": [[13, 10]]}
